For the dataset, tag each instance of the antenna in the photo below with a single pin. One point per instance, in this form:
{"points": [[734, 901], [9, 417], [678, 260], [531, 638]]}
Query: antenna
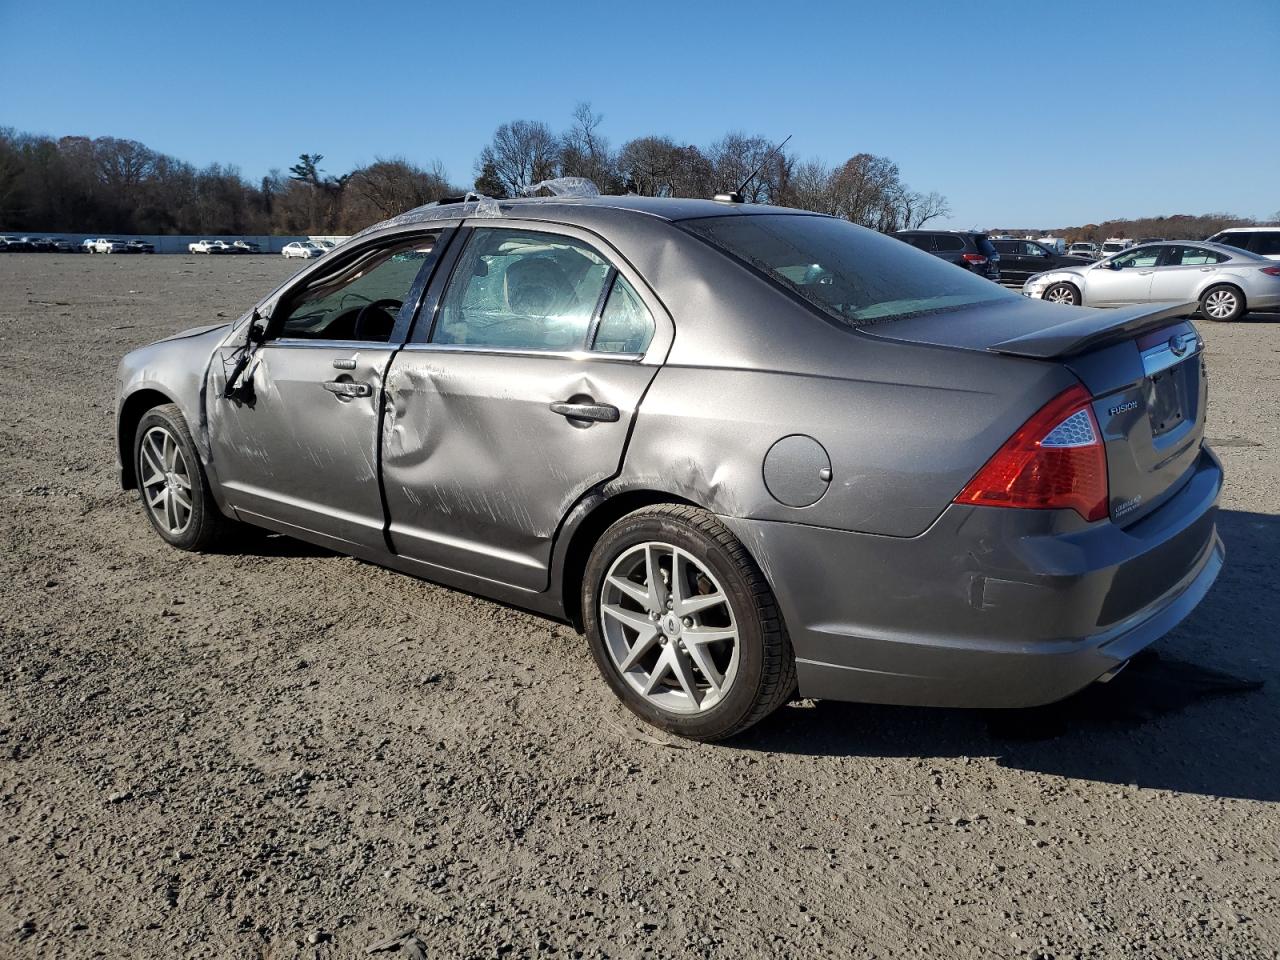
{"points": [[767, 157]]}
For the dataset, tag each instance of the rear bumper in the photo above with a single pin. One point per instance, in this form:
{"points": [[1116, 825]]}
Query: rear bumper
{"points": [[990, 607]]}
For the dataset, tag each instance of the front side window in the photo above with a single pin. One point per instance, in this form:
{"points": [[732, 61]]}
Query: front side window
{"points": [[854, 275], [1030, 249], [1140, 257], [359, 298], [521, 290]]}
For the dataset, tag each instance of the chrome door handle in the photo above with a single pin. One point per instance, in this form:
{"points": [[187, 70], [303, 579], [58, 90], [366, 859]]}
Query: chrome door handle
{"points": [[347, 389], [599, 412], [1145, 273]]}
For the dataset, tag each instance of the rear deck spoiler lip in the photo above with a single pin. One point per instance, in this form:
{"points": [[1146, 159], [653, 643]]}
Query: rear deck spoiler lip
{"points": [[1081, 334]]}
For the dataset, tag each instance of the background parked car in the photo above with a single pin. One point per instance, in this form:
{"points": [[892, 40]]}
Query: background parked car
{"points": [[63, 246], [1225, 281], [303, 249], [973, 251], [14, 245], [210, 246], [246, 246], [1114, 245], [1022, 259], [103, 245], [87, 245], [1264, 241], [1084, 248], [141, 246]]}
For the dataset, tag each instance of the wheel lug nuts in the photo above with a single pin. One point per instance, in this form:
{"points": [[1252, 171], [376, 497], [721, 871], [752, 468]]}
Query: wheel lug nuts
{"points": [[688, 621]]}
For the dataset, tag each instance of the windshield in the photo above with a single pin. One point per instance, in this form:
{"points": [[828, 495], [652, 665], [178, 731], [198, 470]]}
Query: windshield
{"points": [[856, 275]]}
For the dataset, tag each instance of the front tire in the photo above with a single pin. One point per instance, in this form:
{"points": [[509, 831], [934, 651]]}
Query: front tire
{"points": [[172, 484], [1064, 293], [683, 625], [1222, 303]]}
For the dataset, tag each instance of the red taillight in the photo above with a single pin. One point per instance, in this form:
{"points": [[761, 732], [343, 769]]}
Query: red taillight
{"points": [[974, 258], [1271, 271], [1055, 461]]}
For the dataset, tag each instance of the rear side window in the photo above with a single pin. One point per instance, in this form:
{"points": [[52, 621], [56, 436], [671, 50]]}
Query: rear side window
{"points": [[1238, 240], [852, 274], [626, 325], [1192, 257], [1266, 244], [522, 290], [947, 243], [1011, 248], [921, 241]]}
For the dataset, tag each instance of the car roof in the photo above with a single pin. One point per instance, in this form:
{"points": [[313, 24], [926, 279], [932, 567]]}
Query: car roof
{"points": [[1247, 229], [583, 211]]}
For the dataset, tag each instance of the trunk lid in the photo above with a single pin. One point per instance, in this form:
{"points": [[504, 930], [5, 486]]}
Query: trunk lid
{"points": [[1142, 364]]}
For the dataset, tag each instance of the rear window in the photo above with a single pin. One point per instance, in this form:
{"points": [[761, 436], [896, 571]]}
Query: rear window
{"points": [[850, 273]]}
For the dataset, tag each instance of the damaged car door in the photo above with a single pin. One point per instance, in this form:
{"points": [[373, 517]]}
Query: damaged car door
{"points": [[514, 399], [296, 444]]}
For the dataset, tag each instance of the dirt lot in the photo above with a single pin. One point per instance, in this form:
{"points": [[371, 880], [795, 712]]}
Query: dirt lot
{"points": [[288, 753]]}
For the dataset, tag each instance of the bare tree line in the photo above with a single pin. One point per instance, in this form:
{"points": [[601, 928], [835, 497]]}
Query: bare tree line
{"points": [[114, 185], [110, 185]]}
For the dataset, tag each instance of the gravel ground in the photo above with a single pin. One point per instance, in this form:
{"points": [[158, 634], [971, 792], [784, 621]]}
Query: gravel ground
{"points": [[287, 753]]}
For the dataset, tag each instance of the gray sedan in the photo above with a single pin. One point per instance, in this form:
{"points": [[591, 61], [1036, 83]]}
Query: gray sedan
{"points": [[748, 451], [1223, 281]]}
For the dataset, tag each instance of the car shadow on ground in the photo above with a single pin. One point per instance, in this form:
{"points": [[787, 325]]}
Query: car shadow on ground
{"points": [[1192, 714], [1256, 317], [259, 543]]}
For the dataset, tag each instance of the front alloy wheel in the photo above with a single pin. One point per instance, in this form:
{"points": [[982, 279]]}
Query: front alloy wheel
{"points": [[172, 484], [165, 480], [1063, 293]]}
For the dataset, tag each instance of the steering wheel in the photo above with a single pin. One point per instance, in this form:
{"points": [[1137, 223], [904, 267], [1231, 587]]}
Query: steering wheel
{"points": [[376, 320]]}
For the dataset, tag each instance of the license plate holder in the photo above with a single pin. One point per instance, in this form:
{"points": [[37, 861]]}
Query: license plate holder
{"points": [[1167, 400]]}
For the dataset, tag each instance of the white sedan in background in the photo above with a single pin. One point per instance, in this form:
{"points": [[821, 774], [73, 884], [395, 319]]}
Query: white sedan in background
{"points": [[1224, 281], [304, 249]]}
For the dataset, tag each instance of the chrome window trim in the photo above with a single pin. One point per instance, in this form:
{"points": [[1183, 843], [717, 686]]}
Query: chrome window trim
{"points": [[328, 344], [580, 355]]}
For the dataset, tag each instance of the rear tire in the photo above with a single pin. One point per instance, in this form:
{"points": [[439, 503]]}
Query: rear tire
{"points": [[1063, 293], [172, 484], [1222, 303], [703, 654]]}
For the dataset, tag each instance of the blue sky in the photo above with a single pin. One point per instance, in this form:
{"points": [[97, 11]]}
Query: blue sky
{"points": [[1022, 114]]}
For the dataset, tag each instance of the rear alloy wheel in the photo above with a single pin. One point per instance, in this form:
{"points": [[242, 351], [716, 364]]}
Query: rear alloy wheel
{"points": [[1222, 303], [1063, 293], [683, 625], [172, 484]]}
